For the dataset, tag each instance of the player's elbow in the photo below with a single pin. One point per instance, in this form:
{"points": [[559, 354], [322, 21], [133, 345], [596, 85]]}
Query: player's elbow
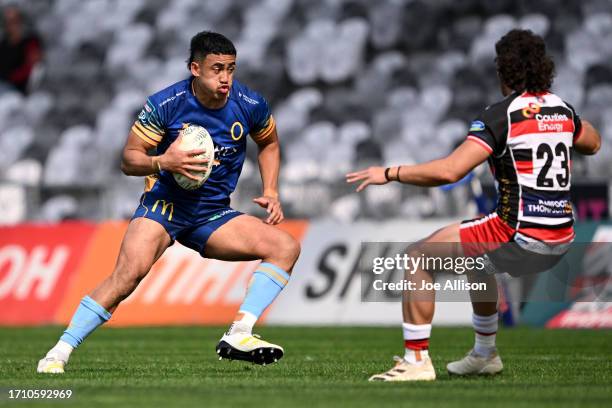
{"points": [[589, 142], [125, 169], [596, 146], [590, 148], [125, 166], [449, 176]]}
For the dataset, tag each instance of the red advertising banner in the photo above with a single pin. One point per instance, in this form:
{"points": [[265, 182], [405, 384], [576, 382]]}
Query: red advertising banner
{"points": [[583, 316], [46, 269], [37, 265]]}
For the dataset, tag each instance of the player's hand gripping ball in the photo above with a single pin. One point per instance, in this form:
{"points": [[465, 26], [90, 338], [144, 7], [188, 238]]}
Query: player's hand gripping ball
{"points": [[196, 137]]}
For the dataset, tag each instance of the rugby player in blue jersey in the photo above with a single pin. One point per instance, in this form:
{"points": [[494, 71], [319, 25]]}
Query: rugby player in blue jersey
{"points": [[200, 219]]}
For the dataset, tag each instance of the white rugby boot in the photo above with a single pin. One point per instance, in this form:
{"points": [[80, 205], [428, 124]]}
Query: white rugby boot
{"points": [[248, 347], [475, 364], [51, 364], [404, 371]]}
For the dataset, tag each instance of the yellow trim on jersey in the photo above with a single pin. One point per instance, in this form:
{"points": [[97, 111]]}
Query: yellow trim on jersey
{"points": [[150, 181], [150, 133], [266, 131], [155, 129], [142, 203], [143, 136]]}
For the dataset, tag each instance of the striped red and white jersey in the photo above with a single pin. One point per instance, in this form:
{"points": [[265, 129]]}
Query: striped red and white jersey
{"points": [[530, 140]]}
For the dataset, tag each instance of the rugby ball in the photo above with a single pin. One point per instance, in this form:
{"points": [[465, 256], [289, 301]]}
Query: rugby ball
{"points": [[196, 137]]}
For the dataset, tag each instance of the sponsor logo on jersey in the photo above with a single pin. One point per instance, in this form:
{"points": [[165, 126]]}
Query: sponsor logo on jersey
{"points": [[224, 152], [236, 131], [247, 99], [551, 118], [477, 126], [531, 110], [548, 208], [146, 111], [551, 123], [170, 99]]}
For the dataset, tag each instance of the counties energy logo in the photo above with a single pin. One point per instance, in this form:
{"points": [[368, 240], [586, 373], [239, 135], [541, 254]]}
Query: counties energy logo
{"points": [[531, 110]]}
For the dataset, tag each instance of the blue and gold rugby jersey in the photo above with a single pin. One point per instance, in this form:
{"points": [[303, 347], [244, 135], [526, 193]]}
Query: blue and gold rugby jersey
{"points": [[168, 111]]}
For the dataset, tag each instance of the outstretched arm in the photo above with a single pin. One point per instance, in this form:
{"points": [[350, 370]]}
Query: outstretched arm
{"points": [[588, 141], [269, 165], [448, 170]]}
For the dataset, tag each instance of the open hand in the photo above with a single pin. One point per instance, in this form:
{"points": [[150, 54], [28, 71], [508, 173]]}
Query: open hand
{"points": [[273, 208], [371, 175]]}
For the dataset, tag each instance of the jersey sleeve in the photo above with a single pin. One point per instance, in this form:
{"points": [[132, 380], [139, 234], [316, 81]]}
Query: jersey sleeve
{"points": [[150, 125], [489, 129], [263, 124], [577, 122]]}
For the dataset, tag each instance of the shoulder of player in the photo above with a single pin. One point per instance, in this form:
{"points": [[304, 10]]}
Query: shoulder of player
{"points": [[171, 94], [494, 117], [243, 95], [500, 108], [558, 100]]}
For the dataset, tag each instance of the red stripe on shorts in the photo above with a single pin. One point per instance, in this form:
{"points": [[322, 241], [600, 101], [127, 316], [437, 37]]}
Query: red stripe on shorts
{"points": [[484, 234]]}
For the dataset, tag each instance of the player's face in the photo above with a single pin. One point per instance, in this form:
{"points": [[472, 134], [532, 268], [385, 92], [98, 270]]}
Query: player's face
{"points": [[214, 75]]}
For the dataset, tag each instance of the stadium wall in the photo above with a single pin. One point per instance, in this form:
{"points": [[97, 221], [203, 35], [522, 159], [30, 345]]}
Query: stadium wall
{"points": [[46, 269]]}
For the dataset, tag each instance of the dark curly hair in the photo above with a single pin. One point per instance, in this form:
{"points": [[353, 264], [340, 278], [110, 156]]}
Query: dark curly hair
{"points": [[522, 62]]}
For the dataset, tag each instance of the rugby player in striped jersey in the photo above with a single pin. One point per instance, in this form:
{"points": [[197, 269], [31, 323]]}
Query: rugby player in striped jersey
{"points": [[528, 139]]}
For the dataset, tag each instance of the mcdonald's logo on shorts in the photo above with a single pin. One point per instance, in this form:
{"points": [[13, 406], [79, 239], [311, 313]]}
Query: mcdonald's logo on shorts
{"points": [[165, 206]]}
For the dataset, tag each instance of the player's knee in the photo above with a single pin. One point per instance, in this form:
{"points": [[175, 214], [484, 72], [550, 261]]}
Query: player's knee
{"points": [[288, 252], [127, 276], [282, 251], [124, 282], [291, 248]]}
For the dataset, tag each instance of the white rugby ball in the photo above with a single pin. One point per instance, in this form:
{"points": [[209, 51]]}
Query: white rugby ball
{"points": [[196, 137]]}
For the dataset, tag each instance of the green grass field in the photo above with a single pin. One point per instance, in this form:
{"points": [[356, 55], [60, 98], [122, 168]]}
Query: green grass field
{"points": [[168, 367]]}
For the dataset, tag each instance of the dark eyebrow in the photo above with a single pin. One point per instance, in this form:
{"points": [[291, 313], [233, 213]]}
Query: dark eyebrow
{"points": [[221, 65]]}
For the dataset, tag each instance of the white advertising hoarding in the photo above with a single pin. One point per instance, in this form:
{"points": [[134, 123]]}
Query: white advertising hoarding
{"points": [[325, 288]]}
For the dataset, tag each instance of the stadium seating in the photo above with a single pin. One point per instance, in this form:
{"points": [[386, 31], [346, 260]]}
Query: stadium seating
{"points": [[351, 83]]}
